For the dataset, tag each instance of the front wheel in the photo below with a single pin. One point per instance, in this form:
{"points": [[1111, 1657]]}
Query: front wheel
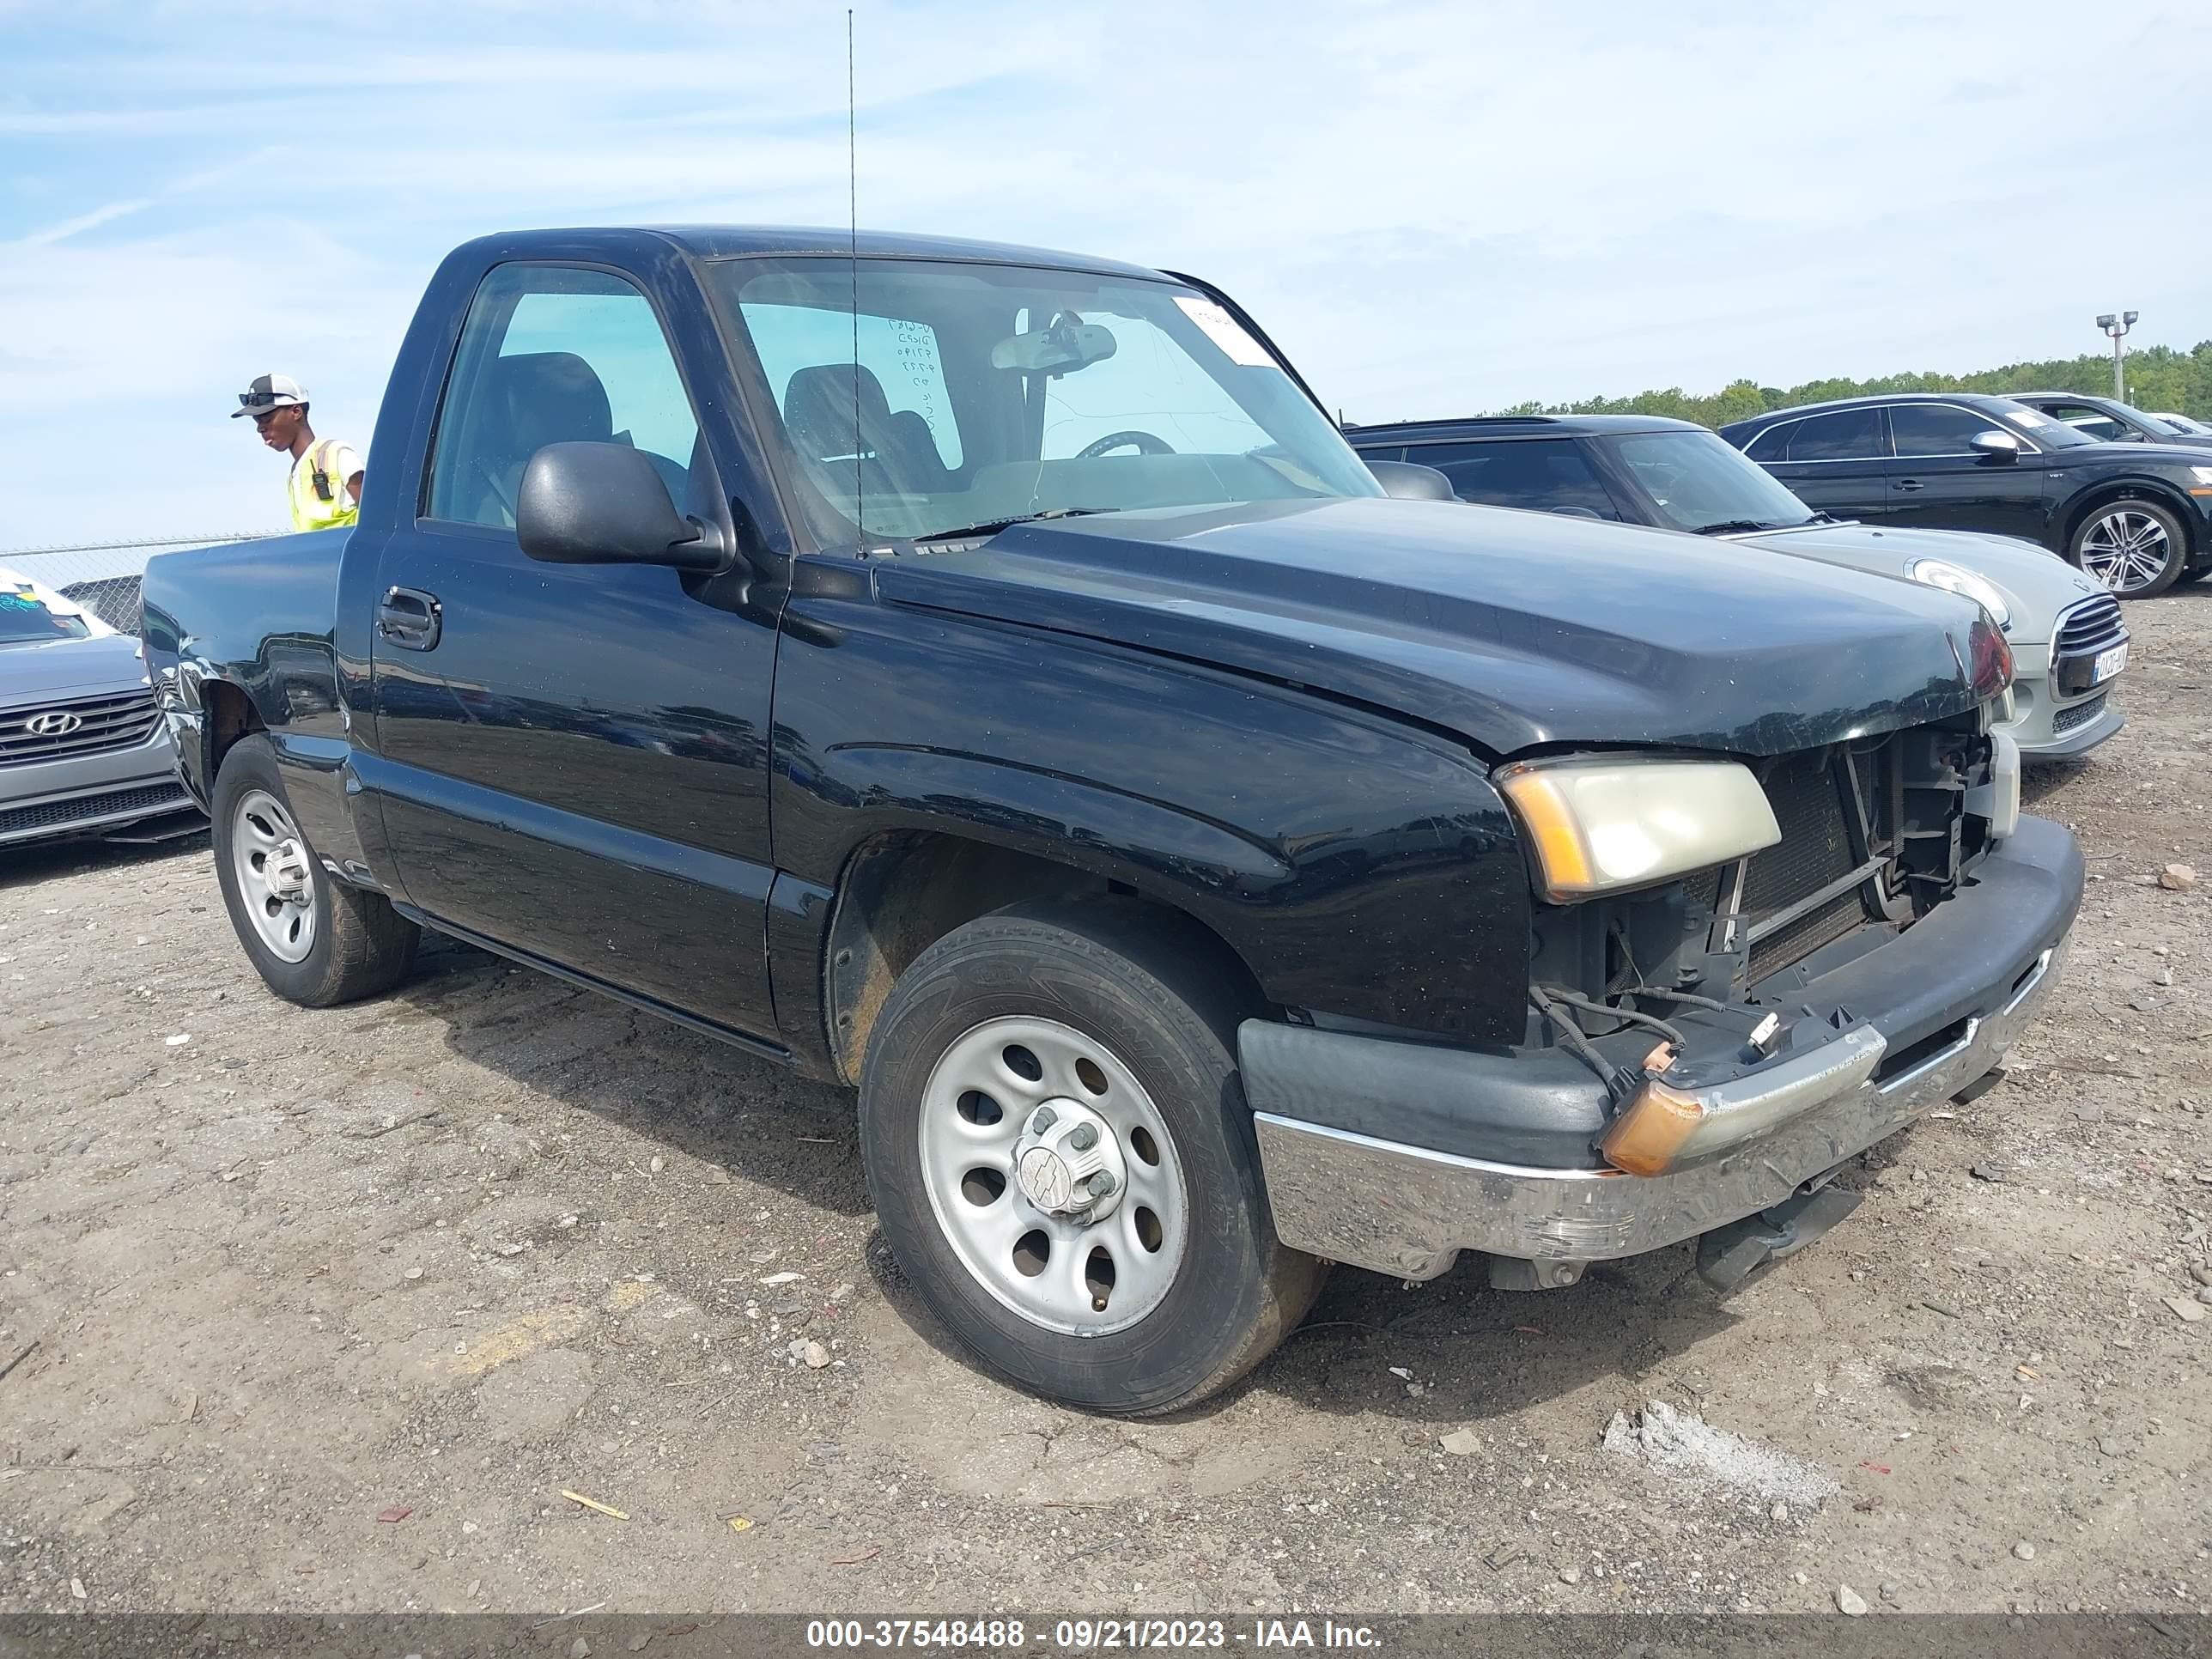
{"points": [[315, 940], [1061, 1157], [2136, 548]]}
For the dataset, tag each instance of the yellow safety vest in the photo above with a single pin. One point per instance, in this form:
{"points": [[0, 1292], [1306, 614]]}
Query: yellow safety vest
{"points": [[310, 511]]}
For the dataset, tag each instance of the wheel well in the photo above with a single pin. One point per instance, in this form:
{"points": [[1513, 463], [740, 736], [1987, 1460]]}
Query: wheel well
{"points": [[2192, 535], [905, 891], [230, 715]]}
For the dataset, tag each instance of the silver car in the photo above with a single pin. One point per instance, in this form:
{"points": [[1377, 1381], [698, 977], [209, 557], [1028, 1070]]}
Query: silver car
{"points": [[82, 747], [2068, 641]]}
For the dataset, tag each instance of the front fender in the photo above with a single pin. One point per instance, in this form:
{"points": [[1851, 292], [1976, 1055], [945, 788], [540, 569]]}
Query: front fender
{"points": [[1358, 867]]}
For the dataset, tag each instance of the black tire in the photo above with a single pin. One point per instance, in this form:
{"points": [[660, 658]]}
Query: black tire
{"points": [[1156, 993], [362, 945], [2111, 526]]}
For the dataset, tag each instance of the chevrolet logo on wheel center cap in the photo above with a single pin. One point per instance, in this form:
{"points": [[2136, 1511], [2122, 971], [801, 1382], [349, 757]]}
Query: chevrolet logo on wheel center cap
{"points": [[1069, 1163], [1045, 1181]]}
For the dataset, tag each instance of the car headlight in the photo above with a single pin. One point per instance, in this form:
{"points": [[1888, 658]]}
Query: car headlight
{"points": [[1598, 824], [1942, 572], [2203, 474]]}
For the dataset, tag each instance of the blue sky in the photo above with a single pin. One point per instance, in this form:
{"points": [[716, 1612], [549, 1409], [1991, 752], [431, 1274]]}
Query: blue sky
{"points": [[1432, 207]]}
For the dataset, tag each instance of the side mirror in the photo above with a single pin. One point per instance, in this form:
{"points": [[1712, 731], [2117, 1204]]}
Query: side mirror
{"points": [[1408, 480], [1994, 445], [603, 503]]}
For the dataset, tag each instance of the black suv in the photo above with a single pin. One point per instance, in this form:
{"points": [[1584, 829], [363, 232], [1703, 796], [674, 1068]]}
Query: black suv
{"points": [[2109, 420], [2137, 517]]}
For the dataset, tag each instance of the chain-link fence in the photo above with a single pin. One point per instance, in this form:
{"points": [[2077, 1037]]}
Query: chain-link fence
{"points": [[104, 576]]}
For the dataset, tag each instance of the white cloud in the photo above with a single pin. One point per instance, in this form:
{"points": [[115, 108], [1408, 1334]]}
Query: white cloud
{"points": [[47, 235]]}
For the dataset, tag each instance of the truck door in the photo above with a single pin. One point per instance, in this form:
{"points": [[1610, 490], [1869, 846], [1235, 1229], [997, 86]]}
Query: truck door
{"points": [[573, 758]]}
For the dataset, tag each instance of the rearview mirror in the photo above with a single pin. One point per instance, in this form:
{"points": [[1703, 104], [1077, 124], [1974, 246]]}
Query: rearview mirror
{"points": [[1409, 481], [1994, 445], [604, 503], [1069, 344]]}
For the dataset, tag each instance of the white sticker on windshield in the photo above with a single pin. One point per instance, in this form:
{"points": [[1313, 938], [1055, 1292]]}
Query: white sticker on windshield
{"points": [[1225, 332], [2027, 416]]}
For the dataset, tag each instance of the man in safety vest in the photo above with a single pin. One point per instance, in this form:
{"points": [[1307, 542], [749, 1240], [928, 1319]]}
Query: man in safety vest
{"points": [[325, 488]]}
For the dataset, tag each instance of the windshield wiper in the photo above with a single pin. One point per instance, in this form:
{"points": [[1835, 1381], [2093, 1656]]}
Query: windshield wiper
{"points": [[1735, 526], [992, 526]]}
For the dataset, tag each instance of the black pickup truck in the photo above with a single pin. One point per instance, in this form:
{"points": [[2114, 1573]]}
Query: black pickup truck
{"points": [[985, 676]]}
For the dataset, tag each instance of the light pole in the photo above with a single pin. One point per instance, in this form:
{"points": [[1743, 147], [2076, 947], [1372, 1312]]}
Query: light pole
{"points": [[2117, 327]]}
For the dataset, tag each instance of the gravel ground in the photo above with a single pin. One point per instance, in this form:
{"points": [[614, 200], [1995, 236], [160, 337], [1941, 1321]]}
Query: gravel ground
{"points": [[330, 1310]]}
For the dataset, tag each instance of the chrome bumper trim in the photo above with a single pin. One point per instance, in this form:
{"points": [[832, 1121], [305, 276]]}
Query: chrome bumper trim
{"points": [[1408, 1212]]}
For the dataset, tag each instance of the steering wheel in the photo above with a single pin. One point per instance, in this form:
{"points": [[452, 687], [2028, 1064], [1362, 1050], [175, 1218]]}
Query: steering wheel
{"points": [[1143, 442]]}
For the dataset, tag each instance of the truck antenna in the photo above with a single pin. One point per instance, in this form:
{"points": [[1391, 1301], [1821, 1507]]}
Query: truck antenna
{"points": [[853, 258]]}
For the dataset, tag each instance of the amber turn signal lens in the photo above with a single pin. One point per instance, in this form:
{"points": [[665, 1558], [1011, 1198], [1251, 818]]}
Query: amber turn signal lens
{"points": [[1649, 1133], [1551, 825]]}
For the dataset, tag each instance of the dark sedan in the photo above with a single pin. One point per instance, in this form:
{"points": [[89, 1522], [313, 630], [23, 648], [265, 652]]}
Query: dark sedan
{"points": [[2109, 420], [2137, 517]]}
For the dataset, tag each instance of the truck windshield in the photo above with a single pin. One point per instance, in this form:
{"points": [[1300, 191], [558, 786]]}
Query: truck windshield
{"points": [[987, 394], [1698, 482], [27, 617]]}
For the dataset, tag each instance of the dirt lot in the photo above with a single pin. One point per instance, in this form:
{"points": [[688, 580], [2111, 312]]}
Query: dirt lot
{"points": [[329, 1309]]}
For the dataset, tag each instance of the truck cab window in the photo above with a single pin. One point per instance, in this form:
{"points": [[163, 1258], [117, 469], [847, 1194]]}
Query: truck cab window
{"points": [[554, 354]]}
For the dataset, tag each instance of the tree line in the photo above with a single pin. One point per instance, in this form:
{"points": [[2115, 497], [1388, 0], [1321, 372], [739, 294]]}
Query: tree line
{"points": [[2158, 377]]}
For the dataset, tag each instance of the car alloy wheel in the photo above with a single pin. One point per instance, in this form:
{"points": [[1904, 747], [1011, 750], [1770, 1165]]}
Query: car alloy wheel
{"points": [[1053, 1176], [275, 880], [2126, 549]]}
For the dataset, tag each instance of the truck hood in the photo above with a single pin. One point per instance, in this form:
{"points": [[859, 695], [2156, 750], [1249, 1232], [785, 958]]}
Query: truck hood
{"points": [[1510, 629], [69, 668], [2037, 584]]}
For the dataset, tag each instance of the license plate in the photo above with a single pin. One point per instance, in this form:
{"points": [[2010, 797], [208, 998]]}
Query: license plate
{"points": [[2108, 664]]}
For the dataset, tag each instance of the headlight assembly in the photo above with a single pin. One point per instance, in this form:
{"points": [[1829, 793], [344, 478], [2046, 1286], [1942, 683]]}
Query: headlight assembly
{"points": [[1951, 579], [1601, 823]]}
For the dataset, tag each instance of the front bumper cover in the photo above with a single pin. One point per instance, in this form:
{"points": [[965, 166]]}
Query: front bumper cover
{"points": [[1938, 1007]]}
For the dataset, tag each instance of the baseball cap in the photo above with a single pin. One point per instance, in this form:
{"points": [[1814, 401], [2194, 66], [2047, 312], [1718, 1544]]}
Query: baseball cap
{"points": [[269, 391]]}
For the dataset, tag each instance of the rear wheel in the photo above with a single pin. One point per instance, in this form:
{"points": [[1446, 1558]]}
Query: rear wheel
{"points": [[314, 940], [1062, 1158], [2136, 548]]}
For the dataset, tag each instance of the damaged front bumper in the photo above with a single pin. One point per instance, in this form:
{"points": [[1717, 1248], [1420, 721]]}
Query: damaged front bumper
{"points": [[1397, 1156]]}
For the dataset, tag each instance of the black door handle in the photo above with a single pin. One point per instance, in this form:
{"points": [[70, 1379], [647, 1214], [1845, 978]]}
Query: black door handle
{"points": [[1910, 483], [410, 618]]}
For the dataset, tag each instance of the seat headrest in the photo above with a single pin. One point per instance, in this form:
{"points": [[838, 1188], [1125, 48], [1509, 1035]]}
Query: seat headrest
{"points": [[552, 398], [818, 410]]}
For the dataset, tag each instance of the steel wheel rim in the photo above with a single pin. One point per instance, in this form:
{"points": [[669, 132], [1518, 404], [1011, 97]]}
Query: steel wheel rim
{"points": [[2125, 550], [966, 1153], [274, 884]]}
